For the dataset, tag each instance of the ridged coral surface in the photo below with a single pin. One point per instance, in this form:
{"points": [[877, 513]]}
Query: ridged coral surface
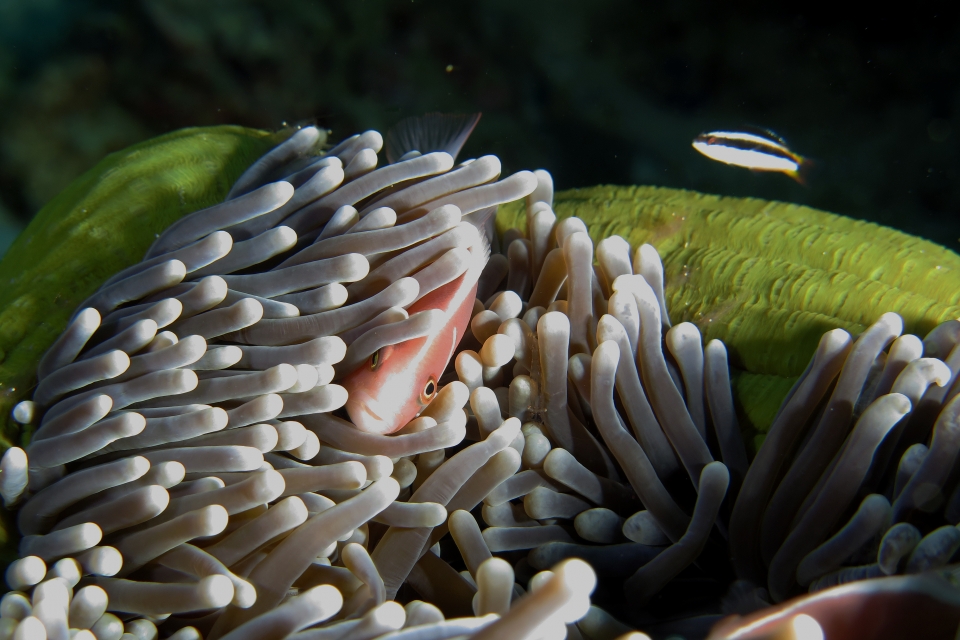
{"points": [[769, 278], [766, 278], [103, 222]]}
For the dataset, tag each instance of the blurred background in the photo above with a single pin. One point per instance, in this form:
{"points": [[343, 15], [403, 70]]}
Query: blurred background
{"points": [[596, 92]]}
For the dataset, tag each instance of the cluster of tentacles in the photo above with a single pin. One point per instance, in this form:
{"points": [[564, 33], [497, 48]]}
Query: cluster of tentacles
{"points": [[192, 472]]}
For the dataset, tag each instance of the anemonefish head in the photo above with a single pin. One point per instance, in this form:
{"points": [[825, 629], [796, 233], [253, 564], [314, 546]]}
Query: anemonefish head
{"points": [[393, 386], [398, 381]]}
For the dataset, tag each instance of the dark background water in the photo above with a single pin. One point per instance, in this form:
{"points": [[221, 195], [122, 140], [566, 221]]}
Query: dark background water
{"points": [[596, 92]]}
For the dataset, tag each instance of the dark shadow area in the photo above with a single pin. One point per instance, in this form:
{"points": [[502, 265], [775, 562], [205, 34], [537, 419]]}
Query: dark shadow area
{"points": [[608, 92]]}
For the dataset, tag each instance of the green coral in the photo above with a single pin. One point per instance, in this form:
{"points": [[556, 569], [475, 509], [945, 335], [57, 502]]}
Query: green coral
{"points": [[102, 223], [769, 278]]}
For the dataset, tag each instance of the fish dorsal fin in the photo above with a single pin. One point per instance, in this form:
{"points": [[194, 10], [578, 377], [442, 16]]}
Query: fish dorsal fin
{"points": [[432, 132], [764, 132]]}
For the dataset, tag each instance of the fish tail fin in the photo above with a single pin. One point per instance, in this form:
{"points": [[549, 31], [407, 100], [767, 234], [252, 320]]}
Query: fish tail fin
{"points": [[481, 248], [482, 218], [485, 222], [431, 132], [481, 255], [805, 167]]}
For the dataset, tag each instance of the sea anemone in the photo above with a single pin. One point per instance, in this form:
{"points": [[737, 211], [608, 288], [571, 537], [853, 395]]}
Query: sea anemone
{"points": [[192, 470]]}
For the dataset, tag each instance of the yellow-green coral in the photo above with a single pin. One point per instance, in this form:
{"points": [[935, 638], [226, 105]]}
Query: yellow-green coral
{"points": [[766, 278], [769, 278], [103, 222]]}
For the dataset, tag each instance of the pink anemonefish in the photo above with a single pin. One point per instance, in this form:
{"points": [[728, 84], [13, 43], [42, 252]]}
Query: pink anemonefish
{"points": [[923, 605], [391, 387], [394, 385]]}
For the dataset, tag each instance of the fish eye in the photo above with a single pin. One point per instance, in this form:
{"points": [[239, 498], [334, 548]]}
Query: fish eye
{"points": [[429, 390], [380, 356]]}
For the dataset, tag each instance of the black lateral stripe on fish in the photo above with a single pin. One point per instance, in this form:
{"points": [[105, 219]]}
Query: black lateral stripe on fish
{"points": [[753, 151], [431, 132]]}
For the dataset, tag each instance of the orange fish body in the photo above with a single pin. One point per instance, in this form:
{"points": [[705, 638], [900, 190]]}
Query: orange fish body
{"points": [[390, 388], [394, 385], [924, 605]]}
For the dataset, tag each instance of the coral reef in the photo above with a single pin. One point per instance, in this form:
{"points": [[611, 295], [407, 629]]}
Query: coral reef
{"points": [[191, 470]]}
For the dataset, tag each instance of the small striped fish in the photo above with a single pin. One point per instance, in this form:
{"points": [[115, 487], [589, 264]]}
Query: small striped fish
{"points": [[756, 151]]}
